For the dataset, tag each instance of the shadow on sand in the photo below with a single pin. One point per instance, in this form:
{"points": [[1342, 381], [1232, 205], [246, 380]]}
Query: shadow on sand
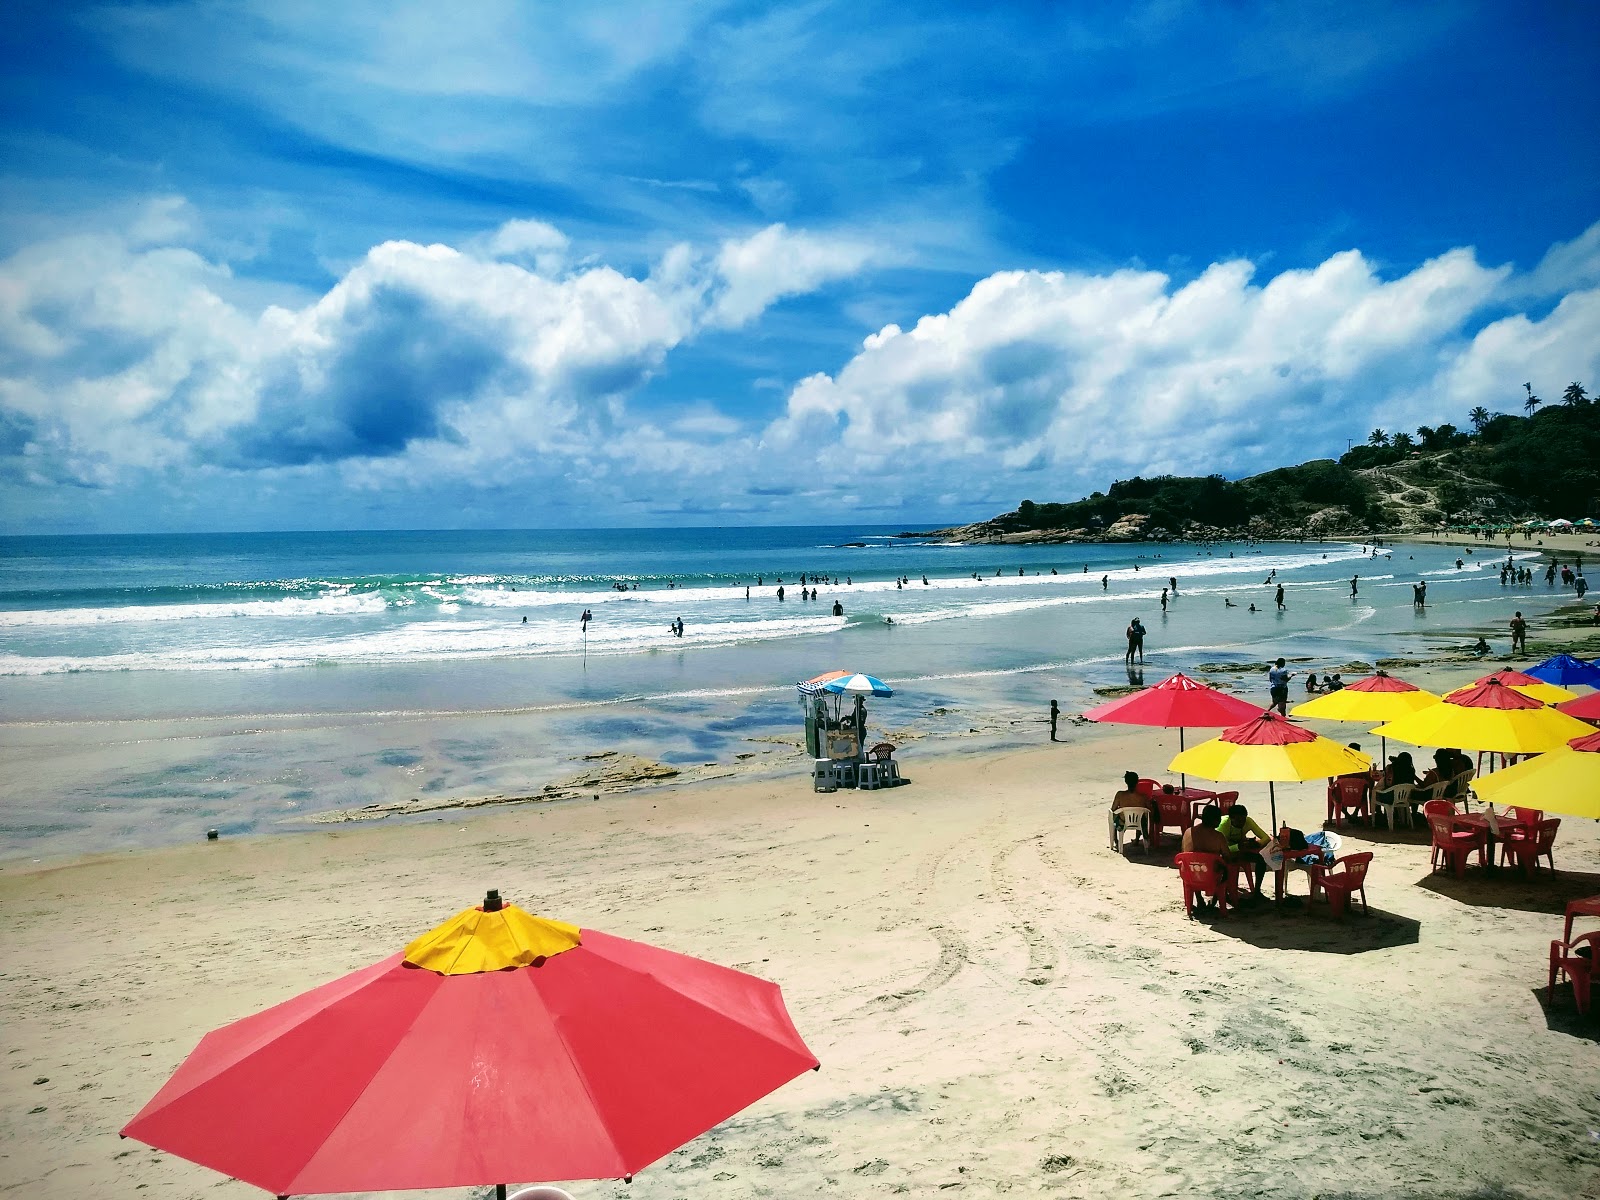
{"points": [[1563, 1016], [1300, 925], [1504, 888]]}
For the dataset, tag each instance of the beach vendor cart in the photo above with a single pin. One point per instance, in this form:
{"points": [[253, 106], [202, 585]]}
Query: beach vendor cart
{"points": [[835, 708]]}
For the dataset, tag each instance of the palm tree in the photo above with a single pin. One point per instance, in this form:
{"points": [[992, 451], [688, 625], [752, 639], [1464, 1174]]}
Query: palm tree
{"points": [[1532, 402], [1480, 417], [1575, 395], [1377, 438], [1401, 441]]}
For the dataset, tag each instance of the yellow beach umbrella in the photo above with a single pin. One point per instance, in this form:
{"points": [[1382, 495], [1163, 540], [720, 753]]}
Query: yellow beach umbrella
{"points": [[1528, 685], [1269, 749], [1564, 781], [1378, 697], [1487, 716]]}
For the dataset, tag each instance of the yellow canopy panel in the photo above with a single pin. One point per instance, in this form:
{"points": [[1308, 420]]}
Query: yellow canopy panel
{"points": [[1562, 781], [1510, 731], [1231, 763], [1347, 705], [474, 941]]}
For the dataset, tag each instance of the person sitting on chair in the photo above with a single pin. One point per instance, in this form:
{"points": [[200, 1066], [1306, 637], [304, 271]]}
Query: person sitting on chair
{"points": [[1245, 839], [1203, 838], [1401, 770], [1131, 797], [1334, 794], [1447, 764]]}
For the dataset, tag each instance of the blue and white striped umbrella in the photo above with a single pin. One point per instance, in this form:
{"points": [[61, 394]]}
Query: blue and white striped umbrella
{"points": [[858, 685]]}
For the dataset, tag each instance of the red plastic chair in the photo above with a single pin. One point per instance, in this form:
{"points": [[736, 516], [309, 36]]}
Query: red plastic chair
{"points": [[1432, 807], [1547, 842], [1342, 885], [1452, 846], [1174, 811], [1148, 787], [1519, 847], [1565, 960], [1515, 813], [1349, 795], [1205, 875]]}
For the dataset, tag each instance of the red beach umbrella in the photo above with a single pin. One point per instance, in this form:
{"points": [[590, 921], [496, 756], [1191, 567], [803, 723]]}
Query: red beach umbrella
{"points": [[499, 1047], [1586, 708], [1174, 704]]}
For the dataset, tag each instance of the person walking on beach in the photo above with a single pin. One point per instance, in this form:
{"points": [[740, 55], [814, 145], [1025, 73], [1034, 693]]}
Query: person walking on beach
{"points": [[1280, 597], [1519, 634], [1055, 715], [1135, 640], [1278, 687]]}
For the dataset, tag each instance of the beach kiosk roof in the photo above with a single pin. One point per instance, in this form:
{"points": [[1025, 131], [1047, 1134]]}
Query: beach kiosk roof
{"points": [[500, 1046]]}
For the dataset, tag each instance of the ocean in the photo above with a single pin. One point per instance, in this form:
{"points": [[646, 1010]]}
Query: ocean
{"points": [[153, 686]]}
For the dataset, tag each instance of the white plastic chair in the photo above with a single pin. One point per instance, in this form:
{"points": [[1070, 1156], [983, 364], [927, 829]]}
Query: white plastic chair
{"points": [[541, 1191], [868, 777], [1392, 801], [823, 777], [1131, 819]]}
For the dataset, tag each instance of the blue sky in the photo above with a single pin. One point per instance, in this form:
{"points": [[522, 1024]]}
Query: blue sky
{"points": [[293, 265]]}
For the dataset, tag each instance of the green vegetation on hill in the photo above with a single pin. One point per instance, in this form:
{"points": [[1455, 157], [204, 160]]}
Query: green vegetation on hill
{"points": [[1174, 502], [1548, 460], [1546, 463]]}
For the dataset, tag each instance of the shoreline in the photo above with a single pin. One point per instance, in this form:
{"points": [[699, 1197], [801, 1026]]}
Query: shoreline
{"points": [[976, 727]]}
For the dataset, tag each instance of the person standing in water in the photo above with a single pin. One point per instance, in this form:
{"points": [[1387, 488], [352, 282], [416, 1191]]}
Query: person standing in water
{"points": [[1353, 579], [1135, 640], [1280, 597]]}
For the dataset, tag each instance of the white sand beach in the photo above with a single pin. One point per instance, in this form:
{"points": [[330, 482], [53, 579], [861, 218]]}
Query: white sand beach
{"points": [[1000, 1003]]}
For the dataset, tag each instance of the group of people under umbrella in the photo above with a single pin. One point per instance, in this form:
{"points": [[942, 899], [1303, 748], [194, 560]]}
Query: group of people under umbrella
{"points": [[1508, 713]]}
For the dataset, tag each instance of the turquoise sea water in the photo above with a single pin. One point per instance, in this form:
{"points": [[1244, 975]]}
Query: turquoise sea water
{"points": [[150, 686]]}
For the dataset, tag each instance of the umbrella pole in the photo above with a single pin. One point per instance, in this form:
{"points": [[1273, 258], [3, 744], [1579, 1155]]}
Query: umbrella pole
{"points": [[1183, 780], [499, 1191], [1272, 793]]}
